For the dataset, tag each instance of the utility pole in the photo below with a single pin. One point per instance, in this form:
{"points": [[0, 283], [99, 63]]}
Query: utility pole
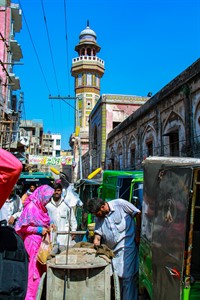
{"points": [[77, 122]]}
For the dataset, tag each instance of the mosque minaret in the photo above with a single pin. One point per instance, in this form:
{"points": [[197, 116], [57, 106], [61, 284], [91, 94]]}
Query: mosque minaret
{"points": [[87, 69]]}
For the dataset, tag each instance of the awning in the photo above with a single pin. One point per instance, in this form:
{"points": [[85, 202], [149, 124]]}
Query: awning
{"points": [[16, 50], [14, 82]]}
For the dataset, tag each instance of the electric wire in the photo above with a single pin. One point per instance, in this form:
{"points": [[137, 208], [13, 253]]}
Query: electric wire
{"points": [[67, 53], [50, 48], [51, 53], [37, 56], [66, 44], [37, 59], [53, 64], [68, 104]]}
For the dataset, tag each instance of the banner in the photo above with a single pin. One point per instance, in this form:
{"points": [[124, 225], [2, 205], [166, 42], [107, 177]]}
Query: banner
{"points": [[50, 160]]}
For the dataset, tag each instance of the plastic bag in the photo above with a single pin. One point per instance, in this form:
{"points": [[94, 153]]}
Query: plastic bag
{"points": [[72, 198], [45, 249]]}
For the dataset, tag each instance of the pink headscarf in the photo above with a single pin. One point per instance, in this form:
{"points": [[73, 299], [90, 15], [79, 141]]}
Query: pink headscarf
{"points": [[34, 212]]}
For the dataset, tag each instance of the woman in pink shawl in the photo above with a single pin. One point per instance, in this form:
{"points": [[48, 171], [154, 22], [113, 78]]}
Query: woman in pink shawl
{"points": [[32, 224]]}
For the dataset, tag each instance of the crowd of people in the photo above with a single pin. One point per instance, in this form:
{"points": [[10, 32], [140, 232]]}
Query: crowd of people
{"points": [[47, 209], [33, 215]]}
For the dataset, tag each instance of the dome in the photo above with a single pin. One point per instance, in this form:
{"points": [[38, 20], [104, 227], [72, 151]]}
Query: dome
{"points": [[87, 33]]}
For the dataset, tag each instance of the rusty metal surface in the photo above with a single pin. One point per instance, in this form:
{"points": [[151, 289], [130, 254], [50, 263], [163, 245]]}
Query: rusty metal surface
{"points": [[167, 186]]}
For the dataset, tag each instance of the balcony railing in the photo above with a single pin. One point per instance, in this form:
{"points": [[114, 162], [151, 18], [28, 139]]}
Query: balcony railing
{"points": [[88, 58]]}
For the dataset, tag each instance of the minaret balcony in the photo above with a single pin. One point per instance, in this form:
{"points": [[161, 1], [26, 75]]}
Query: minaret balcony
{"points": [[87, 60]]}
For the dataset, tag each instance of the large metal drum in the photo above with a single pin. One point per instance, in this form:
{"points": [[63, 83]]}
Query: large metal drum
{"points": [[80, 275]]}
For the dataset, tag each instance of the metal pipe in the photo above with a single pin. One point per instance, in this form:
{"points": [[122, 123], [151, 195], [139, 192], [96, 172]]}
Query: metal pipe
{"points": [[71, 232]]}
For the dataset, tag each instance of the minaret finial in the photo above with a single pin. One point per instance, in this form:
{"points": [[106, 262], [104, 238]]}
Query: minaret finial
{"points": [[88, 23]]}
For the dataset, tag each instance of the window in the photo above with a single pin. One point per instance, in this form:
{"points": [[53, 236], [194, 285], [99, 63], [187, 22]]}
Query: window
{"points": [[174, 143], [97, 80], [57, 142], [147, 212], [57, 153], [112, 159], [89, 51], [83, 52], [124, 186], [89, 79], [149, 148], [115, 124], [89, 104], [79, 79], [132, 157]]}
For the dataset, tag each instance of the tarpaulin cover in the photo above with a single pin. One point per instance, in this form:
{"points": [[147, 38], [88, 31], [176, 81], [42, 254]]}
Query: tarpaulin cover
{"points": [[10, 169]]}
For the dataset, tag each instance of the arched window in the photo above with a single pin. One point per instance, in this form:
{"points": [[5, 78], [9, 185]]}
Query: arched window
{"points": [[89, 51], [132, 156], [83, 52], [111, 165]]}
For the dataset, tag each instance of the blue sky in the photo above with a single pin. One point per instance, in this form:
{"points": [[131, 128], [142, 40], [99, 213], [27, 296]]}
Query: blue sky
{"points": [[144, 43]]}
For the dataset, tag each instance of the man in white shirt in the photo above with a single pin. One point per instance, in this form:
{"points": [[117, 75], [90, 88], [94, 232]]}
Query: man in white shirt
{"points": [[118, 226], [62, 216], [11, 209]]}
